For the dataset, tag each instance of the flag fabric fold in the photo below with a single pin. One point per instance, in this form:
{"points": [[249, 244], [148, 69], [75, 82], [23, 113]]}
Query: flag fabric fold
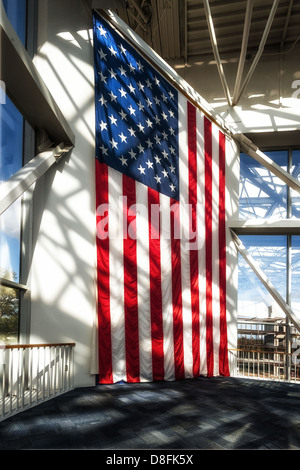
{"points": [[161, 226]]}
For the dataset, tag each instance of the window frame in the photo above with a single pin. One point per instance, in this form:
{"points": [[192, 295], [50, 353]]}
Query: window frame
{"points": [[33, 99], [41, 149], [288, 227], [28, 152]]}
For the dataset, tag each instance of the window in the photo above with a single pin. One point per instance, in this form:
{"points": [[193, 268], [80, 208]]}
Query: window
{"points": [[16, 149], [270, 253], [262, 195], [16, 11], [295, 275], [18, 21], [11, 140], [11, 160]]}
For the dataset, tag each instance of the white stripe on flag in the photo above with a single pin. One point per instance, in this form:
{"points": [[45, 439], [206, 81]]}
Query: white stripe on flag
{"points": [[184, 221], [215, 244], [201, 240], [116, 275], [143, 283]]}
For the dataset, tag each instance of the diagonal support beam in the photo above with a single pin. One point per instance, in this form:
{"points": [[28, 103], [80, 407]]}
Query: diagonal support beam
{"points": [[216, 51], [244, 47], [260, 49], [253, 151], [13, 188], [265, 281]]}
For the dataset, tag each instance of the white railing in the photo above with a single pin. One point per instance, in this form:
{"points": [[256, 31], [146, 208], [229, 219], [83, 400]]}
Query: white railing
{"points": [[32, 374], [265, 365]]}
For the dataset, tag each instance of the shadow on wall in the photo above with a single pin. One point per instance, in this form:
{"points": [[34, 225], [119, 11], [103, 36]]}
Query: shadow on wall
{"points": [[63, 260]]}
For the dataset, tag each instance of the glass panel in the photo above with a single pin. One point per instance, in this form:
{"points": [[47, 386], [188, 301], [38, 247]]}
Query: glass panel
{"points": [[16, 11], [296, 173], [262, 194], [295, 277], [10, 242], [269, 252], [9, 315], [11, 140]]}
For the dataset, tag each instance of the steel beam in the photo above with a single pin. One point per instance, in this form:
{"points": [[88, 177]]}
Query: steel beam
{"points": [[265, 226], [13, 188], [244, 47], [253, 151], [260, 48], [216, 51]]}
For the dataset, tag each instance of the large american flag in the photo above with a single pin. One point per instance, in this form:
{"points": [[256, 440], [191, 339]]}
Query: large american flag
{"points": [[161, 229]]}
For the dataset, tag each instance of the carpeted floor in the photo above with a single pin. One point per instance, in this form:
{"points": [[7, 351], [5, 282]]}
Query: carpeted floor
{"points": [[204, 413]]}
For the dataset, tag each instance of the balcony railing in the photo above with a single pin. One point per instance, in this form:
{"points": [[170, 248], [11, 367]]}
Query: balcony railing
{"points": [[33, 373], [267, 349], [266, 365]]}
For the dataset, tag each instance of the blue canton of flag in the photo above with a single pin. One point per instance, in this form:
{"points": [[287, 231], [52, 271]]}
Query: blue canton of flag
{"points": [[136, 113]]}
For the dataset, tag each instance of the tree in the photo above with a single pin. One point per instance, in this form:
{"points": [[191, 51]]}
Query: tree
{"points": [[9, 309]]}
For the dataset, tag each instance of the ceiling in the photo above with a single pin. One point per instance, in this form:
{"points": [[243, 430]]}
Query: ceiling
{"points": [[179, 28], [187, 30]]}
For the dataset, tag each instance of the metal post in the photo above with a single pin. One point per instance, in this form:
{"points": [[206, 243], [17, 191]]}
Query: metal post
{"points": [[213, 39], [260, 49], [289, 276], [247, 25]]}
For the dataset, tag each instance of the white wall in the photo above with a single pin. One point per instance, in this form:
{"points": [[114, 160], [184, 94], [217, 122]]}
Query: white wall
{"points": [[63, 274]]}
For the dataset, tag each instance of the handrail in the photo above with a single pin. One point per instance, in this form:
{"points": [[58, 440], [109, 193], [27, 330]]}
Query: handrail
{"points": [[265, 365], [28, 346], [33, 373], [261, 351]]}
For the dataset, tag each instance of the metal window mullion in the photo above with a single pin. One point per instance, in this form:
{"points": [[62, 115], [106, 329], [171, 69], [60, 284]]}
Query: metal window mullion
{"points": [[289, 273], [13, 285], [32, 26], [289, 191]]}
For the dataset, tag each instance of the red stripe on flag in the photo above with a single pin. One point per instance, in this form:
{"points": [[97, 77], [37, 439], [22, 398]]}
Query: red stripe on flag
{"points": [[177, 291], [130, 283], [155, 286], [104, 337], [223, 353], [208, 241], [192, 157]]}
